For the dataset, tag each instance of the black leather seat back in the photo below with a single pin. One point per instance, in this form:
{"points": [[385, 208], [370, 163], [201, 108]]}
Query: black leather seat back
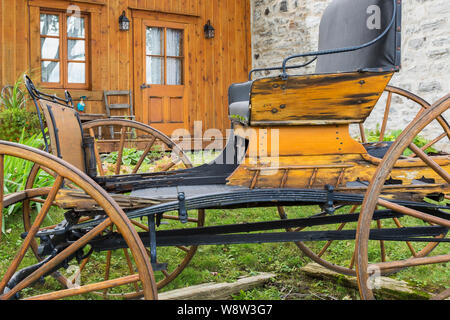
{"points": [[239, 92], [347, 23]]}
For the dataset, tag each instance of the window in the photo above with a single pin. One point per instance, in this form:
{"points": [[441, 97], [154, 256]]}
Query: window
{"points": [[164, 56], [64, 48]]}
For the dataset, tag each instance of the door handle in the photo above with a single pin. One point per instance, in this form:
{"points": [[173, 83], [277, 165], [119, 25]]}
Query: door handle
{"points": [[145, 86]]}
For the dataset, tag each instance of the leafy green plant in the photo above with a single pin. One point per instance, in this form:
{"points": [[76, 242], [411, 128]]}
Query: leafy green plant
{"points": [[14, 116], [13, 97], [15, 121], [239, 118], [131, 156], [420, 141], [16, 172]]}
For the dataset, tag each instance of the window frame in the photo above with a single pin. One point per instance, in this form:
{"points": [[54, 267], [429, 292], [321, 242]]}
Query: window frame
{"points": [[165, 57], [63, 51]]}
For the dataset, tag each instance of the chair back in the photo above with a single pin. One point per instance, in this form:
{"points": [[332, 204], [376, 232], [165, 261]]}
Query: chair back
{"points": [[64, 127], [347, 23]]}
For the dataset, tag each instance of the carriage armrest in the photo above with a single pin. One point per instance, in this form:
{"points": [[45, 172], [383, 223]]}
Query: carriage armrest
{"points": [[239, 102]]}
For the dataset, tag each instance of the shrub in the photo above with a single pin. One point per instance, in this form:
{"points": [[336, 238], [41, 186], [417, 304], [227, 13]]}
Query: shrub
{"points": [[14, 116], [14, 97], [420, 141], [16, 172], [14, 121]]}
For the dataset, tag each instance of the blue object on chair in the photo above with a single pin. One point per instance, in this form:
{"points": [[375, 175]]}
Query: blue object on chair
{"points": [[81, 105]]}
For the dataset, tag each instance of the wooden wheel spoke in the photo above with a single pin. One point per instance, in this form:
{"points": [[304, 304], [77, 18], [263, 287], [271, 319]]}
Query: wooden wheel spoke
{"points": [[430, 162], [328, 244], [386, 116], [107, 268], [352, 261], [341, 226], [80, 270], [97, 153], [414, 213], [412, 262], [431, 143], [171, 164], [382, 247], [441, 296], [185, 249], [168, 217], [108, 264], [57, 260], [363, 133], [146, 152], [121, 147], [104, 285], [140, 225], [165, 273], [130, 267], [399, 225]]}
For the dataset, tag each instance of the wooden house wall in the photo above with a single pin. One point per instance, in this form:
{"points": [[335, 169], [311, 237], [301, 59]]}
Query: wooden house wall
{"points": [[213, 64]]}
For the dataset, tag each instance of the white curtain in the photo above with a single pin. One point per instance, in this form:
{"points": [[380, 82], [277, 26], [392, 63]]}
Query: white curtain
{"points": [[174, 49], [155, 65]]}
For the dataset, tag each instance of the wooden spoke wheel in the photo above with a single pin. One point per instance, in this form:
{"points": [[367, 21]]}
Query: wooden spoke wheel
{"points": [[30, 259], [177, 258], [136, 136], [388, 126], [130, 147], [377, 196], [339, 256]]}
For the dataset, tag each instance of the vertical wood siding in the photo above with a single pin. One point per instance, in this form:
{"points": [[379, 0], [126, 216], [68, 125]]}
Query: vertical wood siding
{"points": [[212, 64]]}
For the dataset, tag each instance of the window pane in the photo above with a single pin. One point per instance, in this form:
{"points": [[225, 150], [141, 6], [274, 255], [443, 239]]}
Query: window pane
{"points": [[77, 72], [49, 25], [49, 48], [154, 70], [76, 50], [50, 71], [174, 71], [154, 41], [75, 27], [174, 42]]}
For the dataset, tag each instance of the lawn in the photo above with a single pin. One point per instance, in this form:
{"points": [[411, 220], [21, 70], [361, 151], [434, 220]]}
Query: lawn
{"points": [[226, 263]]}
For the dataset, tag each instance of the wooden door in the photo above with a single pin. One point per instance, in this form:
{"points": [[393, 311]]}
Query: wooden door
{"points": [[161, 69]]}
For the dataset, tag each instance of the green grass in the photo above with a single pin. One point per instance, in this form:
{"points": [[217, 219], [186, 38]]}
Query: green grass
{"points": [[226, 263]]}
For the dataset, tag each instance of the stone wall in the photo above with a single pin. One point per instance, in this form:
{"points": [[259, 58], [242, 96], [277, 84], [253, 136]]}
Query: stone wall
{"points": [[285, 27]]}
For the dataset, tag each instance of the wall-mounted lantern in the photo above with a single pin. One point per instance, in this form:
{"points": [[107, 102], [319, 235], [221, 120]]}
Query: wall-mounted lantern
{"points": [[209, 30], [124, 23]]}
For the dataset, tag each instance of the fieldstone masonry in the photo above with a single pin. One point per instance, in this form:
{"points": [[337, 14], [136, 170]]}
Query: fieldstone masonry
{"points": [[284, 27]]}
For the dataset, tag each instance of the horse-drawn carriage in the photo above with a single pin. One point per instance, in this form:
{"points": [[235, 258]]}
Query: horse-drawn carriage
{"points": [[290, 148]]}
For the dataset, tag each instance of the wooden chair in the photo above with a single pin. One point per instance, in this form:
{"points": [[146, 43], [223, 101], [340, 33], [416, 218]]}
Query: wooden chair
{"points": [[119, 106]]}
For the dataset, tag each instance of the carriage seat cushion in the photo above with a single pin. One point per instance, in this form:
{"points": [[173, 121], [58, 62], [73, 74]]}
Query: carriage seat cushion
{"points": [[239, 102]]}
